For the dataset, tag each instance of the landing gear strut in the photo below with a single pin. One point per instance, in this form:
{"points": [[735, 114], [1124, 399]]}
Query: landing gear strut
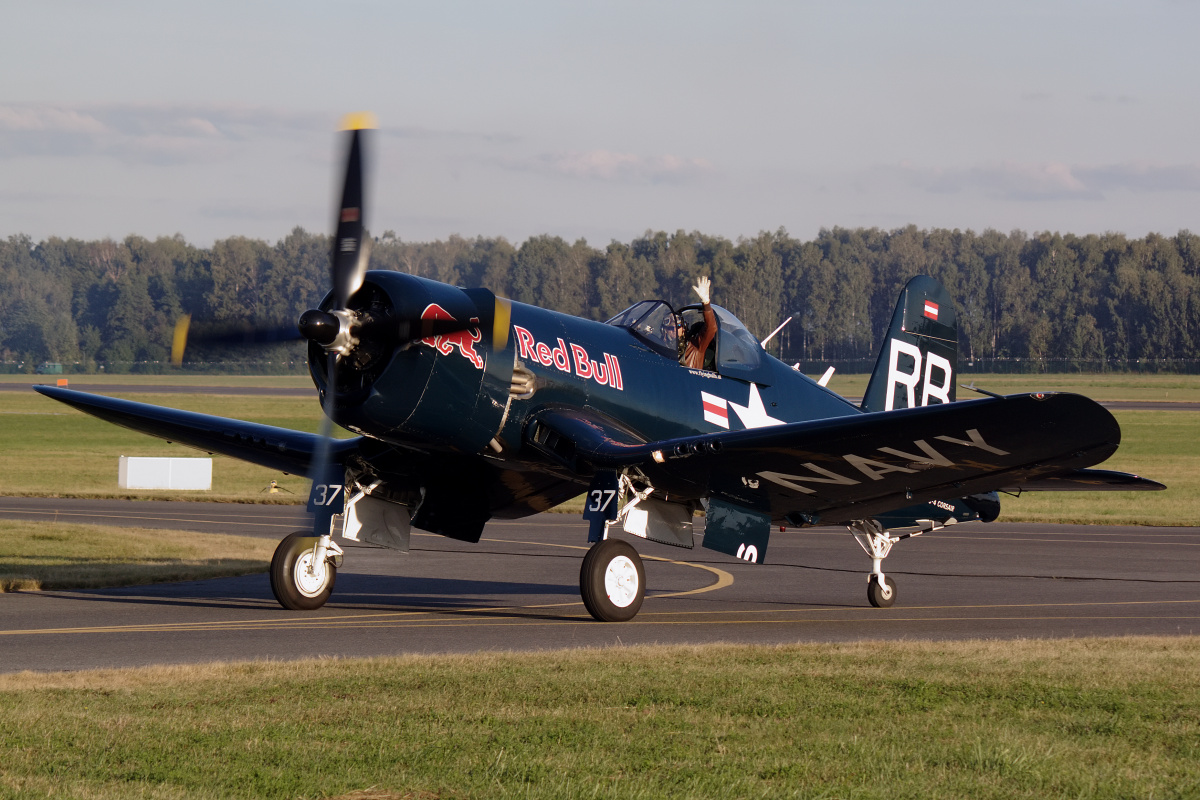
{"points": [[612, 581], [303, 570], [877, 542]]}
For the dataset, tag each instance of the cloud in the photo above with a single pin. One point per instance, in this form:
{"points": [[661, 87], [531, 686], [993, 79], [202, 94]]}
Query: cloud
{"points": [[418, 132], [1120, 99], [1009, 180], [151, 134], [605, 165], [1141, 177], [1017, 181]]}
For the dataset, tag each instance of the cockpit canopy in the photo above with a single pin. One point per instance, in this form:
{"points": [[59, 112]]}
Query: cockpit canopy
{"points": [[655, 323]]}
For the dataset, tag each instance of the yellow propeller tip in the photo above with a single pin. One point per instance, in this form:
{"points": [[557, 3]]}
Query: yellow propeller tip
{"points": [[358, 121], [179, 340]]}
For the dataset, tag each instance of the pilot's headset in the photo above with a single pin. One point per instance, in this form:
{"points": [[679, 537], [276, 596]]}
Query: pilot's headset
{"points": [[670, 328]]}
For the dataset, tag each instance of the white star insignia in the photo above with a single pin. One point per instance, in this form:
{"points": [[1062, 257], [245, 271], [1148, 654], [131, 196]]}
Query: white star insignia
{"points": [[754, 415]]}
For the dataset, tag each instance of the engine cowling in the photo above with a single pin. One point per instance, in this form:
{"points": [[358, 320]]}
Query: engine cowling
{"points": [[446, 390]]}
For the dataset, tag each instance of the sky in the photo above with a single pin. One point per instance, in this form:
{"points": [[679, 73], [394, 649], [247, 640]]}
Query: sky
{"points": [[600, 120]]}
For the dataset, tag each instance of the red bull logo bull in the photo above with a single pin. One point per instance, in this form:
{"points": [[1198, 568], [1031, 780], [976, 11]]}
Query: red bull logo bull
{"points": [[445, 343]]}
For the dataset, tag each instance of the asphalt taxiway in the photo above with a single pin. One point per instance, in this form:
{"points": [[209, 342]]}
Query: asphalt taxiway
{"points": [[518, 590]]}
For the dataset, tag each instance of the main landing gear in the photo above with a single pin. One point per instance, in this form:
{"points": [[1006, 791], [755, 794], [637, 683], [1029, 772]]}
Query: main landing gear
{"points": [[612, 581], [304, 569]]}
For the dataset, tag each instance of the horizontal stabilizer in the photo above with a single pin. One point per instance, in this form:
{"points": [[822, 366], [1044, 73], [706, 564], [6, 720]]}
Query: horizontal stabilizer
{"points": [[266, 445], [1089, 480]]}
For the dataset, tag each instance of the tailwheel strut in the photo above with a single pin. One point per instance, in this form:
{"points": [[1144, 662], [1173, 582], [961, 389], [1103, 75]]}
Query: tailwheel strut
{"points": [[875, 540]]}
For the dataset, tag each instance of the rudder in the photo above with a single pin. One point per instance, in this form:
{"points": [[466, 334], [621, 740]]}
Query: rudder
{"points": [[918, 360]]}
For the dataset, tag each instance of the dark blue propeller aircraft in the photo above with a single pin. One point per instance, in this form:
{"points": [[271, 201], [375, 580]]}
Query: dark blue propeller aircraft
{"points": [[469, 406]]}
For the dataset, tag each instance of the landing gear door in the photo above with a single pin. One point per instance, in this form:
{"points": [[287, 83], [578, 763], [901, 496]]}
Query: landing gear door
{"points": [[601, 503], [737, 531], [665, 523], [327, 497]]}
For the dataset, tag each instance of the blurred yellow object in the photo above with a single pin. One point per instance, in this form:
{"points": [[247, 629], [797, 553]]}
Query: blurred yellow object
{"points": [[179, 341], [358, 120]]}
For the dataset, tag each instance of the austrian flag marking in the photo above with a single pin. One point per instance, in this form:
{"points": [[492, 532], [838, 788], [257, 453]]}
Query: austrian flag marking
{"points": [[931, 310], [716, 409]]}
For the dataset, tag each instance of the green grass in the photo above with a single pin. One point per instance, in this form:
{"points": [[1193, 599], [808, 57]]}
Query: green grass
{"points": [[1026, 719], [54, 450], [49, 555], [51, 449], [1161, 445], [169, 379], [1107, 386]]}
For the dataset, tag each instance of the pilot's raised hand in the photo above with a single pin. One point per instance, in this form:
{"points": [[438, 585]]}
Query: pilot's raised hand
{"points": [[703, 288]]}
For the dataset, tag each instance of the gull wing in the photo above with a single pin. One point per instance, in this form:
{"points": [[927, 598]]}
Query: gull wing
{"points": [[846, 468], [269, 446]]}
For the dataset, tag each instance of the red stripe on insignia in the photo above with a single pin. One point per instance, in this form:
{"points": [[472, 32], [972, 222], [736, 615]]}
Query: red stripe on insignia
{"points": [[720, 411], [931, 309]]}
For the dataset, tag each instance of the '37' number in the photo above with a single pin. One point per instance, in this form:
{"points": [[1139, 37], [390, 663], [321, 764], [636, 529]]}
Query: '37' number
{"points": [[599, 499], [324, 494]]}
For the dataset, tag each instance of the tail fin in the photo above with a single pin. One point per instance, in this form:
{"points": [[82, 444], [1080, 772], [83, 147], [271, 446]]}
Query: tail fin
{"points": [[919, 356]]}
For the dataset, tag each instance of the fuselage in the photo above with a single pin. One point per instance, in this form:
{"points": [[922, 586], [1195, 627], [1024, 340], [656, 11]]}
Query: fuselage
{"points": [[475, 391]]}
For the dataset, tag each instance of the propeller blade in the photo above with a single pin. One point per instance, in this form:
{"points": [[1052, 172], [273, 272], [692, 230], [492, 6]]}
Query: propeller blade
{"points": [[347, 267], [350, 247], [179, 340], [226, 334]]}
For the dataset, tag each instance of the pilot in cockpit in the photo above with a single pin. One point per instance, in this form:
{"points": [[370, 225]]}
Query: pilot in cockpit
{"points": [[694, 344]]}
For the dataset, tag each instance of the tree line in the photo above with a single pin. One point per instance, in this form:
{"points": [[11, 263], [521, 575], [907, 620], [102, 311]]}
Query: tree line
{"points": [[1102, 298]]}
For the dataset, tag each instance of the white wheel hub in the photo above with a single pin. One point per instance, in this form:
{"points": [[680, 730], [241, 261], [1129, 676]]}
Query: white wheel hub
{"points": [[621, 581], [310, 580]]}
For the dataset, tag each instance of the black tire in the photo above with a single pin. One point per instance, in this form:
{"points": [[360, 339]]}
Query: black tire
{"points": [[877, 595], [604, 581], [291, 588]]}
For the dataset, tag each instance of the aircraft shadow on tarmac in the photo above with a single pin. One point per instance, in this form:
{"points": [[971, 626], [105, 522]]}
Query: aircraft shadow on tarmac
{"points": [[357, 591]]}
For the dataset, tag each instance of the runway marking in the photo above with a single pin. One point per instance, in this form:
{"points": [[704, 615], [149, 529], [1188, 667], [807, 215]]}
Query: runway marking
{"points": [[1023, 538], [723, 578], [408, 618], [638, 622], [526, 616], [1019, 536]]}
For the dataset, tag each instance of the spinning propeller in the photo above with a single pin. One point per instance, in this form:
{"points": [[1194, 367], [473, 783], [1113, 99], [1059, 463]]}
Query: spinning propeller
{"points": [[353, 332]]}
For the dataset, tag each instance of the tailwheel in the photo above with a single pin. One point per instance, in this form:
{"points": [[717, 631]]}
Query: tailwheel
{"points": [[881, 595], [298, 582], [612, 581]]}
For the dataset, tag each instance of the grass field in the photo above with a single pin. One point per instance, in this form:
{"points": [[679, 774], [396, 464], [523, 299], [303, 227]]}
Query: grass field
{"points": [[1073, 718], [53, 555], [169, 379], [1105, 386], [51, 449], [1076, 718]]}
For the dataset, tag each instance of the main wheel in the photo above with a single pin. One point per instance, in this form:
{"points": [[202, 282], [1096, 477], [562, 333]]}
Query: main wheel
{"points": [[881, 596], [299, 584], [612, 581]]}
